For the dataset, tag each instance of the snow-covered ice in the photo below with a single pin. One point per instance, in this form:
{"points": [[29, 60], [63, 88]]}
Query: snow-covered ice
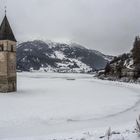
{"points": [[52, 105]]}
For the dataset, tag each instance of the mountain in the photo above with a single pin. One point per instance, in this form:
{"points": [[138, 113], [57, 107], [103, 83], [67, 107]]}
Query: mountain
{"points": [[58, 57], [121, 68], [125, 67]]}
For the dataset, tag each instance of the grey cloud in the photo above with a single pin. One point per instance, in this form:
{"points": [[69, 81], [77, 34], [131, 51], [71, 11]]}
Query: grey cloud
{"points": [[106, 25]]}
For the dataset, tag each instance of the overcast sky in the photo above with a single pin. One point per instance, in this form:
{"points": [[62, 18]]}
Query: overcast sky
{"points": [[105, 25]]}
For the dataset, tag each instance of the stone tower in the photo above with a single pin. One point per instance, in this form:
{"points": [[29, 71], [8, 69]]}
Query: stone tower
{"points": [[7, 58]]}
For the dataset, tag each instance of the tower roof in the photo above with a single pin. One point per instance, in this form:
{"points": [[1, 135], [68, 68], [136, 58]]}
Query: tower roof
{"points": [[6, 32]]}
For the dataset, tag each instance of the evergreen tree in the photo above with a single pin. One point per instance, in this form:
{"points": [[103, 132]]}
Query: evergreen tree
{"points": [[107, 69], [136, 55], [119, 69]]}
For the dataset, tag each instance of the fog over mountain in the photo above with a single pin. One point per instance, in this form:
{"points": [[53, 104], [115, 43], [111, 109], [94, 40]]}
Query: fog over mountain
{"points": [[108, 26]]}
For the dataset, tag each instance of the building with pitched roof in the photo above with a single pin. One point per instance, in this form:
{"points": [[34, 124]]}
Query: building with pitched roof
{"points": [[7, 58]]}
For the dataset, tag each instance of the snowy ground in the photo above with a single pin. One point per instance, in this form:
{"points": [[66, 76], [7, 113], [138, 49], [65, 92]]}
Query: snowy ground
{"points": [[68, 106]]}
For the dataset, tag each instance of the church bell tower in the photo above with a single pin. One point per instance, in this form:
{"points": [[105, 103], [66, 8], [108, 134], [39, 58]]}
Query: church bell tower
{"points": [[7, 58]]}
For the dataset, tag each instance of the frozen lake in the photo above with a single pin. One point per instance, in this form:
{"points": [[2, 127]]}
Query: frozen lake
{"points": [[49, 103]]}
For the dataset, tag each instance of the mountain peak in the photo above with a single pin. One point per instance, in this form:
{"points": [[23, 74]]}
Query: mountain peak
{"points": [[58, 57]]}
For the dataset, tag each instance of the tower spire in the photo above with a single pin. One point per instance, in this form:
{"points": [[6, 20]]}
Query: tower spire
{"points": [[5, 10], [6, 32]]}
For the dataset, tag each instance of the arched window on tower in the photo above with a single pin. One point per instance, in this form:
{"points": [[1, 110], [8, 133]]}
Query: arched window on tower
{"points": [[1, 47], [12, 48]]}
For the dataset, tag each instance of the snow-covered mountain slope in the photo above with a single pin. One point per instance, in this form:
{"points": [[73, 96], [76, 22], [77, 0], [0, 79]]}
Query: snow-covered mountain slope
{"points": [[126, 61], [121, 68], [58, 57]]}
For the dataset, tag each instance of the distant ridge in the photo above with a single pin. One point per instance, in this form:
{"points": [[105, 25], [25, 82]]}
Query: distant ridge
{"points": [[47, 56]]}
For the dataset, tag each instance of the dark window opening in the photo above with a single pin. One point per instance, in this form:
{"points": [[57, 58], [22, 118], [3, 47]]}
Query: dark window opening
{"points": [[12, 48], [1, 47]]}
